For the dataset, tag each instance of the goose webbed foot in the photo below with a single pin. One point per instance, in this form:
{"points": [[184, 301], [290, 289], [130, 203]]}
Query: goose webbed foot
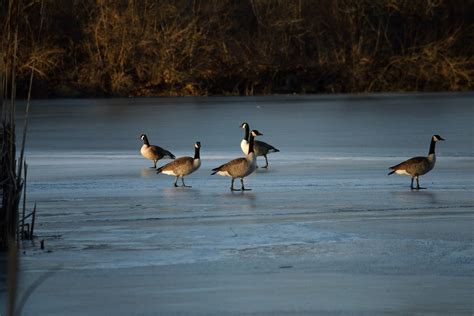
{"points": [[418, 188], [243, 187], [184, 185]]}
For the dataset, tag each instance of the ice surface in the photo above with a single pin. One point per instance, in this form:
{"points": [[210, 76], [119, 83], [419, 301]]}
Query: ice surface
{"points": [[323, 231]]}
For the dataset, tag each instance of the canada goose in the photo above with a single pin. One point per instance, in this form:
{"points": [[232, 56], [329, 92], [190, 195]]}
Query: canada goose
{"points": [[418, 166], [240, 167], [182, 166], [153, 152], [260, 148]]}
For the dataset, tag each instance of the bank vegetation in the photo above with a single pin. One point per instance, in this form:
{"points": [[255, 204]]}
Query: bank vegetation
{"points": [[246, 47]]}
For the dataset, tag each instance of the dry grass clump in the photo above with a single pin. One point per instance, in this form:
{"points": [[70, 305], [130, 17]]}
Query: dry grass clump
{"points": [[427, 68]]}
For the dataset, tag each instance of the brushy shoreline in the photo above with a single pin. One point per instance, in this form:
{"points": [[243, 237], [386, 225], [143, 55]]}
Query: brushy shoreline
{"points": [[174, 48]]}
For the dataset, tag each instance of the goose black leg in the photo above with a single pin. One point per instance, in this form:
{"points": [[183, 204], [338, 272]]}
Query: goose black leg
{"points": [[184, 185], [266, 162], [154, 164], [243, 188], [176, 182], [411, 185], [232, 186], [418, 184]]}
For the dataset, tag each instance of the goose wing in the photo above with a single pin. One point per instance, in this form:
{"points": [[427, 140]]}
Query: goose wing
{"points": [[263, 148], [181, 162], [232, 167], [161, 152], [412, 165]]}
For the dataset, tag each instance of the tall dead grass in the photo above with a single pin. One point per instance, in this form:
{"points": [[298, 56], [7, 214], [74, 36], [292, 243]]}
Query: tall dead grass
{"points": [[178, 47], [13, 167], [430, 67]]}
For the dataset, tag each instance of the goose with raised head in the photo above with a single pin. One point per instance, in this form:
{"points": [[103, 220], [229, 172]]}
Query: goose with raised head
{"points": [[183, 166], [153, 152], [260, 148], [418, 166], [240, 167]]}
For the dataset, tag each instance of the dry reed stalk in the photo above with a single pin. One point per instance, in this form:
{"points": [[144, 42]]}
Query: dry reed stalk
{"points": [[12, 182]]}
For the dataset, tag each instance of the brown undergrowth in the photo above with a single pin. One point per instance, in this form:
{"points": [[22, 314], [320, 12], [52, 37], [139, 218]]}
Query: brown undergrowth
{"points": [[180, 47]]}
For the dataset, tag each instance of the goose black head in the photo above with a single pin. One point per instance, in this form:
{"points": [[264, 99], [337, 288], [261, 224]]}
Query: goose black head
{"points": [[197, 145], [437, 138], [256, 133], [244, 125], [143, 137]]}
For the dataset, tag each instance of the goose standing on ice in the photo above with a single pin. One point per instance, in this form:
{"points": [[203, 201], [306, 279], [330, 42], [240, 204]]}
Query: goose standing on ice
{"points": [[240, 167], [153, 152], [418, 166], [260, 148], [183, 166]]}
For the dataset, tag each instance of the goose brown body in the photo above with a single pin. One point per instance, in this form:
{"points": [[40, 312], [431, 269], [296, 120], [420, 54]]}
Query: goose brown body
{"points": [[237, 168], [153, 152], [416, 166]]}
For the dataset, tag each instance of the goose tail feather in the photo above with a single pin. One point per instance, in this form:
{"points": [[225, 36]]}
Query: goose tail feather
{"points": [[216, 170]]}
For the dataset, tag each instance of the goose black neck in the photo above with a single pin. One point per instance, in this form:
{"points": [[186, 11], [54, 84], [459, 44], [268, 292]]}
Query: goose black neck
{"points": [[247, 132], [145, 141], [251, 143], [196, 153], [432, 147]]}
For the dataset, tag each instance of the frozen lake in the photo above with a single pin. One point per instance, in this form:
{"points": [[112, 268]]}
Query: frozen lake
{"points": [[323, 231]]}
